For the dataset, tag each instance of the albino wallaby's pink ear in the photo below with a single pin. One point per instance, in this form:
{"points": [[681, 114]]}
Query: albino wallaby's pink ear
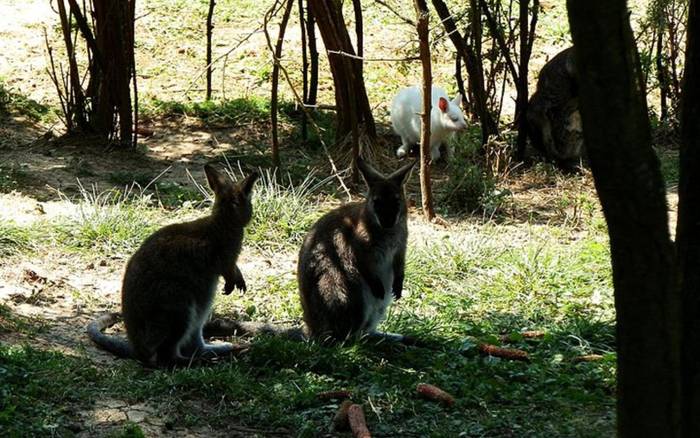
{"points": [[247, 184], [216, 180], [457, 100], [442, 104]]}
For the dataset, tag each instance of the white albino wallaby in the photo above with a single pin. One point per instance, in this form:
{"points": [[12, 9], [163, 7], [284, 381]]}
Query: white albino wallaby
{"points": [[445, 118]]}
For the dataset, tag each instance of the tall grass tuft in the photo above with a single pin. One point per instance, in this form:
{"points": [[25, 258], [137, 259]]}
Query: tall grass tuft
{"points": [[111, 221]]}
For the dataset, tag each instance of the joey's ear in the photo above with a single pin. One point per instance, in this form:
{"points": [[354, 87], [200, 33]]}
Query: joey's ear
{"points": [[247, 184], [370, 175], [217, 181], [457, 100], [401, 176], [443, 104]]}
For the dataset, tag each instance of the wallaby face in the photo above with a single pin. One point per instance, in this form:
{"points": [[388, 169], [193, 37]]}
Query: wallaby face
{"points": [[170, 282], [446, 118], [451, 116], [385, 197], [232, 201], [351, 265]]}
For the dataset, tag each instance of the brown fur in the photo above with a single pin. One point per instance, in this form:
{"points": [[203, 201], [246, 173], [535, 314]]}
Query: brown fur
{"points": [[169, 283], [341, 259]]}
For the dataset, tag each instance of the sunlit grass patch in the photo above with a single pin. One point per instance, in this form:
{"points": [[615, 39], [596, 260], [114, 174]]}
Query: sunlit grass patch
{"points": [[111, 221]]}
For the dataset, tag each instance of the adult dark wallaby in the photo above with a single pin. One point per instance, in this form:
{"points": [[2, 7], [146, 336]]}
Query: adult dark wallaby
{"points": [[553, 118], [170, 282], [351, 266]]}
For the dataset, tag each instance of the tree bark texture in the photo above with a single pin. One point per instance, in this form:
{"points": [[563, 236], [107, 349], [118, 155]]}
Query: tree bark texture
{"points": [[473, 62], [422, 27], [275, 83], [632, 193], [688, 229], [210, 28], [350, 93], [114, 35]]}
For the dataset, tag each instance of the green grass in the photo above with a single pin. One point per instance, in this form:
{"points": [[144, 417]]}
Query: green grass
{"points": [[16, 239], [230, 112], [458, 294], [112, 221], [14, 103]]}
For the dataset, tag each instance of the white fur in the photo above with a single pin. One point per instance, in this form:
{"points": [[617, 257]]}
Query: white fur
{"points": [[405, 119], [375, 308]]}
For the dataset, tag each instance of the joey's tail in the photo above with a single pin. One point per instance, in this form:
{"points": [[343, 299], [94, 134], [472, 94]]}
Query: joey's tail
{"points": [[118, 346], [230, 327]]}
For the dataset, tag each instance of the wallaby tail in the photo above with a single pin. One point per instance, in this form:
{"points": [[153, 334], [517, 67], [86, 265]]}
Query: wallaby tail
{"points": [[231, 327], [115, 345]]}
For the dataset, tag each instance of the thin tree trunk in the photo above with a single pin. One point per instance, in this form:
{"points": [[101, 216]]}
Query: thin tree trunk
{"points": [[632, 193], [425, 158], [688, 230], [357, 9], [313, 55], [304, 70], [275, 83], [210, 27], [527, 36], [76, 102]]}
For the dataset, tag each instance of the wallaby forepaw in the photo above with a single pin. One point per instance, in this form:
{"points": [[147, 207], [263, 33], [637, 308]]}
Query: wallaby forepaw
{"points": [[238, 284], [401, 152]]}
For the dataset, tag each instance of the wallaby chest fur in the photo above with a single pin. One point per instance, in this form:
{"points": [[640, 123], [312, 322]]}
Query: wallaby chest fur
{"points": [[351, 266]]}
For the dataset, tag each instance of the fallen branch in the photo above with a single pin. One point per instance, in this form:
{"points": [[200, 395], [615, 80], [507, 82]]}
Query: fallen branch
{"points": [[329, 395], [362, 58]]}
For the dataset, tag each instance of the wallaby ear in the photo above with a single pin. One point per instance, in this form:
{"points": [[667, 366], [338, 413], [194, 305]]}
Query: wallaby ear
{"points": [[370, 175], [247, 184], [457, 100], [217, 181], [401, 176], [443, 104]]}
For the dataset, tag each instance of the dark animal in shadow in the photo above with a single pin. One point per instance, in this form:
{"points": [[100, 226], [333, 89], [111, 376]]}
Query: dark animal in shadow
{"points": [[553, 118], [170, 282]]}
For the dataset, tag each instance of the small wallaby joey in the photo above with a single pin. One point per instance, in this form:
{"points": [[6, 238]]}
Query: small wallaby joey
{"points": [[351, 264], [170, 282]]}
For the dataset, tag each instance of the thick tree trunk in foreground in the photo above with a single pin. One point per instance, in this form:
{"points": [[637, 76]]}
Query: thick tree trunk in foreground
{"points": [[352, 104], [632, 194], [688, 231], [425, 158]]}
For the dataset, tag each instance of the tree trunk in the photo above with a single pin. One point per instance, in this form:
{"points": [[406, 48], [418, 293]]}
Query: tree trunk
{"points": [[313, 55], [350, 94], [688, 231], [632, 193], [473, 62], [275, 83], [304, 71], [527, 37], [114, 35], [210, 28], [425, 158]]}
